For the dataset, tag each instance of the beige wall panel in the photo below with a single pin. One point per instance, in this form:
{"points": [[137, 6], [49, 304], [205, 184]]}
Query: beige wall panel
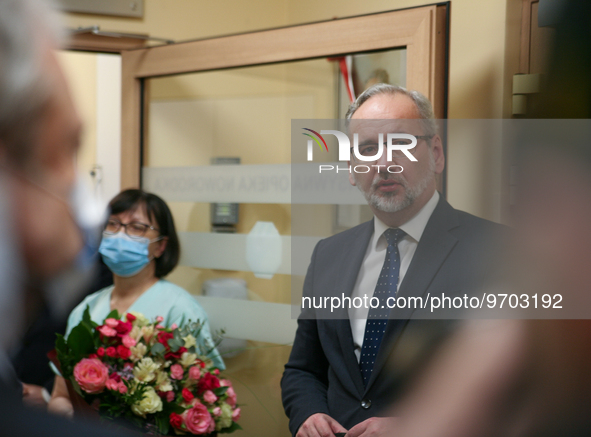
{"points": [[80, 71]]}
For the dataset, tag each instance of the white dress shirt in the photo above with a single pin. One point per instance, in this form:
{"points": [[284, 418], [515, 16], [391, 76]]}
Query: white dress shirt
{"points": [[373, 261]]}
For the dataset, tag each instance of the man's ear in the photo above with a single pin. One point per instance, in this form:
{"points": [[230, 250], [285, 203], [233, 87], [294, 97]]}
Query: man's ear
{"points": [[161, 248], [351, 177], [438, 155]]}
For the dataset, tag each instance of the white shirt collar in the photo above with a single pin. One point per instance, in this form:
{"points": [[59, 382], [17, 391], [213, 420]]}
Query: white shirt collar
{"points": [[414, 228]]}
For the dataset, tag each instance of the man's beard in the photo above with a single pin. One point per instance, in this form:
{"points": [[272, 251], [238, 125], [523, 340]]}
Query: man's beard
{"points": [[391, 202]]}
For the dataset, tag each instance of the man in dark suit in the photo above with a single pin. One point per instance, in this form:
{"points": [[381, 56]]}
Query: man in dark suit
{"points": [[347, 366]]}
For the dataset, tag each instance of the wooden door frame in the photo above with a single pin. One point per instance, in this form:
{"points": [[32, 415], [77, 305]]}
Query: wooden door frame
{"points": [[422, 31]]}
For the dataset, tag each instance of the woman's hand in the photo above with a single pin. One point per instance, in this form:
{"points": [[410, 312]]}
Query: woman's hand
{"points": [[60, 403]]}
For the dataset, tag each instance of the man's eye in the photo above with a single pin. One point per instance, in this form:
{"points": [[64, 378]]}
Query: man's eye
{"points": [[400, 142], [368, 150]]}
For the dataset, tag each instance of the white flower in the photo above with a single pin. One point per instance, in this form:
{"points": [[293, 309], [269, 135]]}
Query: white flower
{"points": [[187, 359], [163, 382], [150, 403], [138, 351], [189, 341], [225, 419], [140, 319], [145, 370], [135, 333], [148, 333]]}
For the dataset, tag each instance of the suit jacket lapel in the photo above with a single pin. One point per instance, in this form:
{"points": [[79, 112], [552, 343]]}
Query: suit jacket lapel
{"points": [[433, 248]]}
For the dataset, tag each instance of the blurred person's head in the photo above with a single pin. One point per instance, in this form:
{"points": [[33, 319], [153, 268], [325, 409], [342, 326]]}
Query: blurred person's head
{"points": [[140, 236], [39, 138]]}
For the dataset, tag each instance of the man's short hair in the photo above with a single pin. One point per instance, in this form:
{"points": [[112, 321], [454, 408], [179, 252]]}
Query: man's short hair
{"points": [[26, 32], [423, 104]]}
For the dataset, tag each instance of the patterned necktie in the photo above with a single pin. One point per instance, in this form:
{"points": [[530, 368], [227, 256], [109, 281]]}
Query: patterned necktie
{"points": [[377, 318]]}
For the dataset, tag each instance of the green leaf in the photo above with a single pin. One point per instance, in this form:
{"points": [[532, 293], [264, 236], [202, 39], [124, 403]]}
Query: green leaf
{"points": [[163, 424], [86, 316], [80, 342], [113, 315], [231, 428], [157, 349], [175, 344], [60, 345], [220, 391], [171, 407]]}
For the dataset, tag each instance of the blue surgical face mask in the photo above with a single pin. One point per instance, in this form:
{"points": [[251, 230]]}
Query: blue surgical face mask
{"points": [[125, 256]]}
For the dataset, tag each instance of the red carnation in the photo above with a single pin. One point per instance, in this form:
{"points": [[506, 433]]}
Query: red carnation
{"points": [[164, 336], [100, 351], [93, 356], [111, 352], [115, 376], [176, 355], [176, 421], [123, 328], [187, 395], [130, 317], [208, 382], [123, 352]]}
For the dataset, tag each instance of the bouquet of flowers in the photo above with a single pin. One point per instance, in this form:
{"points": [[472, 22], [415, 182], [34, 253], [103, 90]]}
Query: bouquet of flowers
{"points": [[154, 377]]}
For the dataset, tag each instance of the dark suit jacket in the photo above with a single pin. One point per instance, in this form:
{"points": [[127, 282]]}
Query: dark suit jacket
{"points": [[322, 374]]}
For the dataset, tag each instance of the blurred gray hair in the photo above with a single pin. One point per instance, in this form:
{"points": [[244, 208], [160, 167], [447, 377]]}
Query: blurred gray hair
{"points": [[28, 29], [422, 103]]}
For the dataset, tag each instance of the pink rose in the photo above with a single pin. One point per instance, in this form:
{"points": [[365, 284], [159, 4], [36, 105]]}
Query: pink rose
{"points": [[217, 411], [106, 331], [169, 396], [209, 397], [111, 323], [236, 414], [194, 373], [159, 326], [225, 383], [128, 342], [174, 326], [231, 397], [91, 375], [111, 384], [198, 420], [159, 319], [122, 387], [176, 371]]}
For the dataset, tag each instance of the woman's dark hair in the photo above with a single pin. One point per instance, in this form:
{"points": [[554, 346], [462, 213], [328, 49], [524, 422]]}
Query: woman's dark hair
{"points": [[158, 212]]}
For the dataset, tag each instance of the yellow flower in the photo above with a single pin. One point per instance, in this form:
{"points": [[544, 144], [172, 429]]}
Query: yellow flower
{"points": [[163, 382], [148, 333], [145, 370], [150, 403], [138, 351], [140, 319], [187, 359], [189, 341]]}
